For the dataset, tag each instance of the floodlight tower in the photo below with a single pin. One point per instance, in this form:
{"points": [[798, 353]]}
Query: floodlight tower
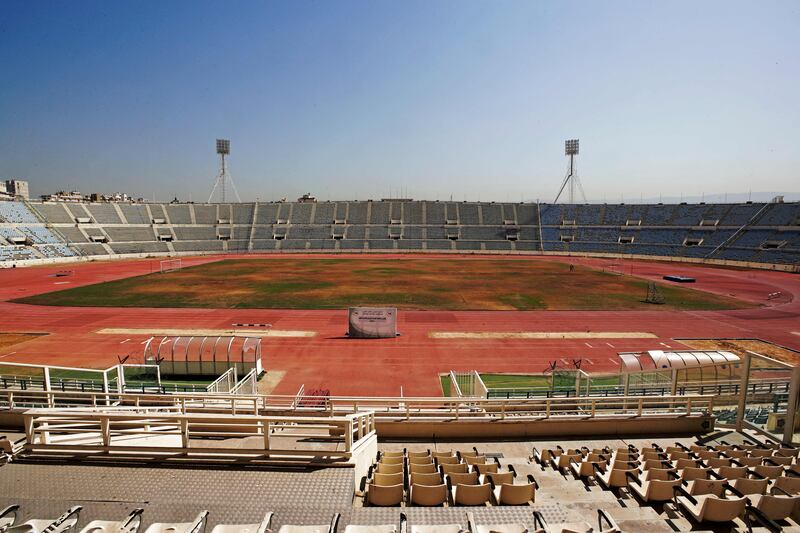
{"points": [[571, 150], [223, 178]]}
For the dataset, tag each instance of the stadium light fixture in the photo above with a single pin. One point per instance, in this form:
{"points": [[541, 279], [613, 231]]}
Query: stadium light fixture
{"points": [[571, 146], [223, 146]]}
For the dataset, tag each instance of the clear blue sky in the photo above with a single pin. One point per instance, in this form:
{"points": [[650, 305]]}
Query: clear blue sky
{"points": [[358, 99]]}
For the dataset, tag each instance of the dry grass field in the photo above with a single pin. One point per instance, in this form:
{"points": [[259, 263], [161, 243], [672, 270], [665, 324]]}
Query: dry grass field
{"points": [[407, 283]]}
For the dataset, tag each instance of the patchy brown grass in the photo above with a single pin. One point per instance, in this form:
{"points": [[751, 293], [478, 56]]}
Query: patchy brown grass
{"points": [[8, 340], [408, 283]]}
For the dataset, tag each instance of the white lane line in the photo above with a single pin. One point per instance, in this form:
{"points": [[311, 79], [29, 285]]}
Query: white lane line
{"points": [[665, 344], [589, 361], [7, 354], [146, 340], [123, 342], [613, 361], [610, 345], [564, 361], [589, 345], [796, 333]]}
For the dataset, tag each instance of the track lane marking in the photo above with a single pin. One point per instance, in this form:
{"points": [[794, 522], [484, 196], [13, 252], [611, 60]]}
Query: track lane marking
{"points": [[541, 335], [174, 332]]}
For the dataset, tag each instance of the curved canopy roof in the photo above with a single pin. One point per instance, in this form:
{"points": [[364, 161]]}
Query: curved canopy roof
{"points": [[660, 360]]}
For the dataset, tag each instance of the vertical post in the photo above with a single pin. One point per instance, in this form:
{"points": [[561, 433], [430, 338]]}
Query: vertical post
{"points": [[265, 427], [674, 388], [791, 406], [47, 379], [743, 391], [29, 428], [185, 432], [120, 379], [105, 388], [105, 431], [348, 441]]}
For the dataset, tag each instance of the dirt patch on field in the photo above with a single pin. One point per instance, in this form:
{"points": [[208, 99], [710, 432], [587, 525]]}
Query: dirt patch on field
{"points": [[739, 346], [421, 283], [8, 340]]}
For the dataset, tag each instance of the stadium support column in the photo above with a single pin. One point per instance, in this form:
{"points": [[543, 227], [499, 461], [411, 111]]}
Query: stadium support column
{"points": [[571, 149], [791, 406], [743, 391]]}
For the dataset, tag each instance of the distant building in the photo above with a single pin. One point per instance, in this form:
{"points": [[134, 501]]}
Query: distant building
{"points": [[16, 189], [306, 198], [4, 192], [63, 196]]}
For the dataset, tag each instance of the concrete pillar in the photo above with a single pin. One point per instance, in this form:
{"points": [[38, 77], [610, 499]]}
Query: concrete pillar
{"points": [[743, 391], [791, 407]]}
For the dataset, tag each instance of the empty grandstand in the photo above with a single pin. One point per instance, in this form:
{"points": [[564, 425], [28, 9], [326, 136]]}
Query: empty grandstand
{"points": [[754, 233]]}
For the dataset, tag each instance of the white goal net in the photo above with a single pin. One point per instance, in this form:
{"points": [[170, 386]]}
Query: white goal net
{"points": [[169, 265]]}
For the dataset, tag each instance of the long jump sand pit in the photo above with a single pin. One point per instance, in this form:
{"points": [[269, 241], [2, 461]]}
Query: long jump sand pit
{"points": [[541, 335], [172, 332]]}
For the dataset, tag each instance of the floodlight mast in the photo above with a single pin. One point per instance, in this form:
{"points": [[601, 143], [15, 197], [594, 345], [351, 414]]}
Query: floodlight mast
{"points": [[223, 149], [571, 149]]}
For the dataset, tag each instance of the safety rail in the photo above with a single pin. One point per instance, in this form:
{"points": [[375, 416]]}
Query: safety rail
{"points": [[275, 437], [386, 408]]}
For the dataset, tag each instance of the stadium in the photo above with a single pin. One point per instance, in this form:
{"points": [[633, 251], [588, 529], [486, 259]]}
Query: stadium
{"points": [[405, 314], [637, 359]]}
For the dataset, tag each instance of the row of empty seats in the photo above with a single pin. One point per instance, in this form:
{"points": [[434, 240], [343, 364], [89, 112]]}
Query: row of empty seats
{"points": [[717, 484]]}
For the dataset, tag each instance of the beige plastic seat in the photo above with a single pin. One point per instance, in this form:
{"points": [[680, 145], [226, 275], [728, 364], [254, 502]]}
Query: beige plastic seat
{"points": [[448, 460], [674, 449], [701, 487], [444, 528], [392, 460], [419, 478], [616, 478], [420, 460], [769, 472], [655, 490], [750, 461], [692, 473], [562, 462], [384, 495], [749, 486], [775, 506], [459, 468], [421, 469], [468, 453], [195, 526], [707, 454], [381, 528], [8, 516], [543, 456], [659, 473], [472, 494], [779, 460], [442, 454], [387, 480], [423, 454], [133, 522], [718, 462], [486, 468], [710, 508], [470, 478], [732, 472], [586, 468], [674, 456], [262, 527], [498, 478], [789, 485], [474, 460], [383, 468], [680, 464], [787, 452], [429, 495], [511, 494], [761, 453], [391, 453], [62, 524], [329, 528], [697, 448], [736, 454]]}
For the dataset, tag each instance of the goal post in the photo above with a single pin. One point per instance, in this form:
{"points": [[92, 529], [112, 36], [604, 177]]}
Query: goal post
{"points": [[169, 265]]}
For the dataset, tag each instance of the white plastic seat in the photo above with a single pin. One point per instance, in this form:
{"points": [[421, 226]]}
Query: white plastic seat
{"points": [[498, 528], [65, 522], [262, 527], [195, 526], [131, 524]]}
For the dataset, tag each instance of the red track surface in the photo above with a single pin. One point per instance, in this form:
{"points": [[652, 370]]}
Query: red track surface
{"points": [[411, 361]]}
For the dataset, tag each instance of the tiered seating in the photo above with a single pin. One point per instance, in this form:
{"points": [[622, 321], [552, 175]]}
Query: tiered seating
{"points": [[16, 213], [708, 484], [427, 479]]}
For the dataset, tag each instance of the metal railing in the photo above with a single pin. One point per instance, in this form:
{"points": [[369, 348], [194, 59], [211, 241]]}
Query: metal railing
{"points": [[159, 434], [385, 409]]}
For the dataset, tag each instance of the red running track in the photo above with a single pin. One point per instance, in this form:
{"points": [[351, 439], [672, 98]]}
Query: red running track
{"points": [[412, 361]]}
